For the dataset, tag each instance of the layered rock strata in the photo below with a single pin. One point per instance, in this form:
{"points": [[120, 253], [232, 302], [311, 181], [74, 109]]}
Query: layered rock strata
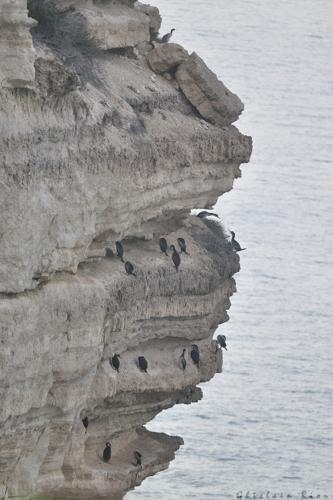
{"points": [[100, 148], [16, 49]]}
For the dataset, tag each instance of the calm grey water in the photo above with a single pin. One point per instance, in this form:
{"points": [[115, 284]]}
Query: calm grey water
{"points": [[266, 423]]}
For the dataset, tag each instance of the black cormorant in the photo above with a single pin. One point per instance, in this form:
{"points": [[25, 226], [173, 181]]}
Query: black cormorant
{"points": [[85, 422], [143, 363], [164, 246], [222, 341], [167, 37], [137, 457], [120, 250], [182, 245], [129, 268], [195, 355], [107, 452], [175, 257], [235, 245], [183, 360], [204, 214], [114, 362]]}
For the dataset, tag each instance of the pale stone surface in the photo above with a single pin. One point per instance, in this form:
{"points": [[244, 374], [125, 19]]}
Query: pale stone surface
{"points": [[17, 54], [207, 94], [166, 57], [153, 14], [108, 26]]}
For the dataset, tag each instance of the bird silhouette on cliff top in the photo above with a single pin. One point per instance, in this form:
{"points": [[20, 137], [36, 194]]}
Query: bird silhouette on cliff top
{"points": [[167, 36]]}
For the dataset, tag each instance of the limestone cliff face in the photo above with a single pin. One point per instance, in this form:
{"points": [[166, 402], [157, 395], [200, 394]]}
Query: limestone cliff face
{"points": [[98, 144]]}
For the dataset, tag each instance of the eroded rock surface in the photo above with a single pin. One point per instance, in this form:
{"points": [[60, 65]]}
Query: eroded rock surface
{"points": [[208, 94], [99, 148], [17, 54], [166, 57], [111, 25], [153, 14]]}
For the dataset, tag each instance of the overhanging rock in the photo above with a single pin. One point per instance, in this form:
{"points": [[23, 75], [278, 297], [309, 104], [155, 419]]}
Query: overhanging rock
{"points": [[208, 95]]}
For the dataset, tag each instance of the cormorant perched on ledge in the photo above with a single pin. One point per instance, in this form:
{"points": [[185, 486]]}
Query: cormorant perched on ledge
{"points": [[175, 257], [222, 341], [114, 362], [182, 245], [183, 360], [235, 245], [107, 452], [129, 268], [195, 355], [164, 246], [143, 363], [120, 250], [167, 37], [85, 422], [137, 457], [204, 214]]}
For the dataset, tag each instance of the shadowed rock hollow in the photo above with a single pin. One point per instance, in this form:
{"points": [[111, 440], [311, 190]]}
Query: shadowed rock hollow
{"points": [[97, 147]]}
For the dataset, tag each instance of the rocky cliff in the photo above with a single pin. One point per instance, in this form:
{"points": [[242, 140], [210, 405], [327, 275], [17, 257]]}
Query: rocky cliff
{"points": [[105, 135]]}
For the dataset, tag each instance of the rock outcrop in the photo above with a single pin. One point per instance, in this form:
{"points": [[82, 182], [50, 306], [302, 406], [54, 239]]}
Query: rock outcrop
{"points": [[109, 26], [17, 54], [97, 148], [208, 95], [166, 57]]}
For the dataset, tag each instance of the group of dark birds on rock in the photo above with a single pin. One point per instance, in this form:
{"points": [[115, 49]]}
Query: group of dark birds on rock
{"points": [[129, 268], [141, 361], [234, 243], [164, 247], [108, 450], [175, 254]]}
